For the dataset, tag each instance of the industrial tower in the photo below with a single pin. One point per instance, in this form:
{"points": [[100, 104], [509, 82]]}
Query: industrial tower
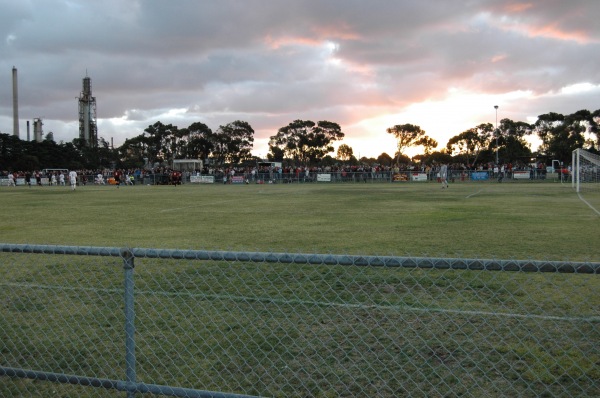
{"points": [[38, 134], [15, 103], [88, 129]]}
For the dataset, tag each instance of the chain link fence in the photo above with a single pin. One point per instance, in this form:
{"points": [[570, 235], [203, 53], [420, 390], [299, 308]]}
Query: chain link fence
{"points": [[111, 322]]}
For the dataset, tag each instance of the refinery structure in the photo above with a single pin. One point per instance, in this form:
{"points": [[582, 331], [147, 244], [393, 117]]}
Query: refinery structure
{"points": [[88, 130]]}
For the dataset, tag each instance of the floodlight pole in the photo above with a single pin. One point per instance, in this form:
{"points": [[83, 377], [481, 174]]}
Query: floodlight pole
{"points": [[496, 107]]}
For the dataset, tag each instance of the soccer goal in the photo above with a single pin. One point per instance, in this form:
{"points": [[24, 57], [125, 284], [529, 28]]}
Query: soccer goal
{"points": [[586, 171]]}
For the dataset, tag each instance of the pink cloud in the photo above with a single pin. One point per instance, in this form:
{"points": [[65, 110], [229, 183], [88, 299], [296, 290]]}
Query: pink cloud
{"points": [[278, 42], [336, 32], [568, 21], [514, 8], [554, 31]]}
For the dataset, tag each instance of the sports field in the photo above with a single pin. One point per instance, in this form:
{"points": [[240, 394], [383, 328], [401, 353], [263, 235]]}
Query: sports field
{"points": [[283, 330], [545, 221]]}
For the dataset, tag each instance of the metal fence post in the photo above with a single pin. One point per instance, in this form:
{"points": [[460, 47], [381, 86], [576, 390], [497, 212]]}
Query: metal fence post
{"points": [[128, 265]]}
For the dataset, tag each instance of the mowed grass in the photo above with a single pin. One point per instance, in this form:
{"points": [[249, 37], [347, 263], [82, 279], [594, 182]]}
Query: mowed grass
{"points": [[544, 221], [306, 330]]}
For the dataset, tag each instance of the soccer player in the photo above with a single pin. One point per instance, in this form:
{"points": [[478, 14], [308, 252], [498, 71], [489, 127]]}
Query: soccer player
{"points": [[73, 179], [11, 179], [444, 175], [117, 177]]}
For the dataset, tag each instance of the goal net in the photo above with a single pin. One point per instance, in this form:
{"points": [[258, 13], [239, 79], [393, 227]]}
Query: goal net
{"points": [[586, 171], [586, 178]]}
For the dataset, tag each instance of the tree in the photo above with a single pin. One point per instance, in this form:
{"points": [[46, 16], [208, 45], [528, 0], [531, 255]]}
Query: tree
{"points": [[327, 160], [233, 142], [384, 159], [161, 142], [133, 152], [427, 143], [406, 135], [344, 153], [12, 149], [545, 127], [511, 140], [595, 127], [106, 155], [562, 134], [367, 161], [306, 142], [49, 136], [200, 141], [471, 142], [440, 157], [276, 154]]}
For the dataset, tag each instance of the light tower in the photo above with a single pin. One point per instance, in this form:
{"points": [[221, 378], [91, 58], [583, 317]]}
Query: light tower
{"points": [[496, 107], [88, 130]]}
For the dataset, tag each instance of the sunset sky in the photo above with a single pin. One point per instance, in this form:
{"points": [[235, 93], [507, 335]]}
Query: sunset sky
{"points": [[366, 65]]}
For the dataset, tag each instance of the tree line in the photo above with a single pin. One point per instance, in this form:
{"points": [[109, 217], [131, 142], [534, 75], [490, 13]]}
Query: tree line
{"points": [[304, 142], [558, 134]]}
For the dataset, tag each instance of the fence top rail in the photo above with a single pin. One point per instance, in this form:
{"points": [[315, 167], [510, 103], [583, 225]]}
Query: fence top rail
{"points": [[314, 259], [58, 249], [120, 385]]}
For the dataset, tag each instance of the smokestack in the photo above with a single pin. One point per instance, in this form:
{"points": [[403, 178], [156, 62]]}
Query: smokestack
{"points": [[28, 137], [15, 103], [37, 129]]}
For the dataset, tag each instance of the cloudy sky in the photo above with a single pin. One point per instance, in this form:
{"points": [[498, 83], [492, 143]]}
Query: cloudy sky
{"points": [[367, 65]]}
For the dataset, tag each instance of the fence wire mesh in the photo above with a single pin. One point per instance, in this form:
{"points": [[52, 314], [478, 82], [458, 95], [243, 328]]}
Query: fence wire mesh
{"points": [[287, 325]]}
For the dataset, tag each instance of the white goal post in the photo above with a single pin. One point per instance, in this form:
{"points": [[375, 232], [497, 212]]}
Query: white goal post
{"points": [[585, 171]]}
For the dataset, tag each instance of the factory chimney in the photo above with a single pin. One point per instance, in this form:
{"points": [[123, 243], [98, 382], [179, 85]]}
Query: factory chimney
{"points": [[15, 103]]}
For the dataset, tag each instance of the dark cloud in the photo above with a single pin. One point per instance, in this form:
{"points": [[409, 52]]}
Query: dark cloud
{"points": [[269, 63]]}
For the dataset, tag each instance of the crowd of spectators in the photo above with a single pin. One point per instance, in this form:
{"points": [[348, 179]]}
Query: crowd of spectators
{"points": [[255, 174]]}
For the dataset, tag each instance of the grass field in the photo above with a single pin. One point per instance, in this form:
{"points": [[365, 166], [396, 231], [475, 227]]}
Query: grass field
{"points": [[306, 330], [512, 220]]}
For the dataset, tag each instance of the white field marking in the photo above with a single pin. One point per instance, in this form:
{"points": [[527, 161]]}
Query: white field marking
{"points": [[177, 208], [195, 206], [247, 299], [475, 193], [587, 203]]}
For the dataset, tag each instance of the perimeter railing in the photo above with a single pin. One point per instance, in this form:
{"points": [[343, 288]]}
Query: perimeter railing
{"points": [[106, 321], [324, 177]]}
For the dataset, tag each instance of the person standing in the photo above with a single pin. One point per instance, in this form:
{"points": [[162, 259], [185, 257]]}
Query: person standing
{"points": [[117, 177], [444, 175], [61, 179], [73, 179], [11, 179]]}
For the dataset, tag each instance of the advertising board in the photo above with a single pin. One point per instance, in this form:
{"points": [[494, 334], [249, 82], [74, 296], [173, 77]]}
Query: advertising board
{"points": [[324, 177], [480, 176]]}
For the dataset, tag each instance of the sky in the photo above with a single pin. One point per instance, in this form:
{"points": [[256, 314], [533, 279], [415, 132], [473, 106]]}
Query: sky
{"points": [[367, 65]]}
